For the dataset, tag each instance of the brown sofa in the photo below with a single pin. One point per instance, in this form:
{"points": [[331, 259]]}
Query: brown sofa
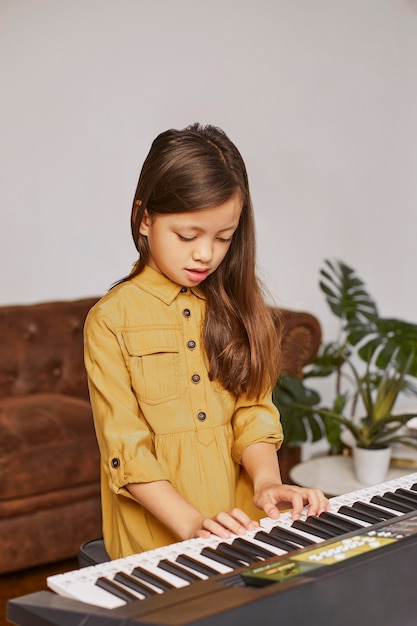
{"points": [[49, 461]]}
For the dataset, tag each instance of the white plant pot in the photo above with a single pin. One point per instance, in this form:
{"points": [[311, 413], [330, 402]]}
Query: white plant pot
{"points": [[371, 466]]}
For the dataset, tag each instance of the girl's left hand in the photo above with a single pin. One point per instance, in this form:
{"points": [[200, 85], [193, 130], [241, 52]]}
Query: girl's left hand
{"points": [[225, 523], [273, 497]]}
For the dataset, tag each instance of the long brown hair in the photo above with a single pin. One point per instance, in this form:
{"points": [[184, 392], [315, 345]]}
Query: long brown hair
{"points": [[199, 168]]}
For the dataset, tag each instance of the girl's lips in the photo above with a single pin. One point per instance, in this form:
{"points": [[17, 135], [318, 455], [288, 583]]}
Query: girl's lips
{"points": [[197, 275]]}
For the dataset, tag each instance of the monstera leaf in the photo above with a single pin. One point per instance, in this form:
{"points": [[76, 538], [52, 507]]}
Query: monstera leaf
{"points": [[296, 403], [385, 342], [345, 292]]}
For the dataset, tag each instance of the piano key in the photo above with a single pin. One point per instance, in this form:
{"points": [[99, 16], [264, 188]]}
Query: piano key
{"points": [[236, 552], [79, 588], [320, 523], [259, 543], [219, 567], [196, 565], [151, 566], [253, 548], [299, 538], [153, 579], [414, 487], [358, 506], [401, 498], [364, 517], [177, 570], [407, 492], [390, 503], [341, 522], [380, 513], [270, 539], [220, 557], [308, 527], [115, 589], [135, 584]]}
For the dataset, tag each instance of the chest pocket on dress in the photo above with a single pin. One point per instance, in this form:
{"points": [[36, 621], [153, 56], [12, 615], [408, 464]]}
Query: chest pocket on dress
{"points": [[154, 364]]}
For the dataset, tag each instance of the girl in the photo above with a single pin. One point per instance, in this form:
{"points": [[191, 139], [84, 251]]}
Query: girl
{"points": [[181, 357]]}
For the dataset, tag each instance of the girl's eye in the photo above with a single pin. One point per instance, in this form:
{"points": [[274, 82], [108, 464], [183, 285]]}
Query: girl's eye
{"points": [[225, 239], [182, 238]]}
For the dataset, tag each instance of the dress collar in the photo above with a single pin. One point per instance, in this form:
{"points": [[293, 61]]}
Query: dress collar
{"points": [[160, 286]]}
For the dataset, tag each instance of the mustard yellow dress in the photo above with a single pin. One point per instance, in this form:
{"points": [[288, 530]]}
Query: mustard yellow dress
{"points": [[158, 416]]}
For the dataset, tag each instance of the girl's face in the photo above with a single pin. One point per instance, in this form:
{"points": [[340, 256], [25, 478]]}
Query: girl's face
{"points": [[187, 247]]}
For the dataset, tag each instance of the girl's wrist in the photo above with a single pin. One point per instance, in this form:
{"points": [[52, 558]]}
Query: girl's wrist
{"points": [[191, 528]]}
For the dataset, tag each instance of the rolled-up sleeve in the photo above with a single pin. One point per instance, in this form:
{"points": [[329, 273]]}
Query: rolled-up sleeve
{"points": [[255, 422], [124, 438]]}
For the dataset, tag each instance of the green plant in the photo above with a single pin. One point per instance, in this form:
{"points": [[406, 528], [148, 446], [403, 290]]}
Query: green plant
{"points": [[373, 361]]}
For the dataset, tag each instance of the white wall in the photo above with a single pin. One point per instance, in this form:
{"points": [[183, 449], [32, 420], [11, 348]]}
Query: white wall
{"points": [[319, 95]]}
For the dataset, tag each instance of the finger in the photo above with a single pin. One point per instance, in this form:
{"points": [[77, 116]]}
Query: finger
{"points": [[297, 501], [231, 523], [244, 519], [317, 502], [269, 505], [287, 496], [216, 527]]}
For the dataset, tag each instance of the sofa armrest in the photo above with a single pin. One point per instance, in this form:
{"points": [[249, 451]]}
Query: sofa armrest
{"points": [[300, 336]]}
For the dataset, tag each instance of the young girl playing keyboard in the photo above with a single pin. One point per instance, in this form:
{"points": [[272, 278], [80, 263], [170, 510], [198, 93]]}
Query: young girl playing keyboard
{"points": [[181, 356]]}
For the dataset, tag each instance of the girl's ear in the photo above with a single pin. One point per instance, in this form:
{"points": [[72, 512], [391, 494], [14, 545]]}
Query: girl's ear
{"points": [[145, 223]]}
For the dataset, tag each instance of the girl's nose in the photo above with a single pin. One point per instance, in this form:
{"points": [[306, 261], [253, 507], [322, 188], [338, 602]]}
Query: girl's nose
{"points": [[203, 252]]}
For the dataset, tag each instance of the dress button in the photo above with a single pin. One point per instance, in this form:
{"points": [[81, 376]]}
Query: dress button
{"points": [[186, 312], [115, 463], [191, 344], [183, 290], [195, 378], [201, 416]]}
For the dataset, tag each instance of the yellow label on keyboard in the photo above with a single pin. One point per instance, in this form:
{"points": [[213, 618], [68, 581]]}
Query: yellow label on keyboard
{"points": [[343, 549]]}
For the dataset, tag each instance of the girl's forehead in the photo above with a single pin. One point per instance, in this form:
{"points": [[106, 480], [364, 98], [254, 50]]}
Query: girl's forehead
{"points": [[222, 217]]}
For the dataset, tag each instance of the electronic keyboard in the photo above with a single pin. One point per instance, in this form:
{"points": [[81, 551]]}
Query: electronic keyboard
{"points": [[353, 563]]}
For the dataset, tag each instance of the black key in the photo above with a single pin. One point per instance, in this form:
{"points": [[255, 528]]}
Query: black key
{"points": [[414, 487], [236, 553], [408, 493], [290, 535], [220, 557], [364, 517], [135, 584], [374, 510], [115, 589], [307, 527], [322, 524], [153, 579], [196, 565], [252, 548], [346, 525], [177, 570], [390, 503], [272, 540], [358, 507], [398, 497]]}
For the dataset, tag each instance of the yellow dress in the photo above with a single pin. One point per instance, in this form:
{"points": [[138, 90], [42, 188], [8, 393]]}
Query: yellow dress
{"points": [[158, 416]]}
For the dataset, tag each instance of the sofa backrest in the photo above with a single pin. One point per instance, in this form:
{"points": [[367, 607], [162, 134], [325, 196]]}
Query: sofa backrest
{"points": [[41, 348]]}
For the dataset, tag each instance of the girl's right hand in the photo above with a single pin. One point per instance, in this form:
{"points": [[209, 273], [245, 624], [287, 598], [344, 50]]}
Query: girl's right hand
{"points": [[224, 524]]}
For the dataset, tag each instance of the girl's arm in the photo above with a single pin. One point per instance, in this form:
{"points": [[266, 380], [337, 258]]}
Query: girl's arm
{"points": [[260, 460], [163, 501]]}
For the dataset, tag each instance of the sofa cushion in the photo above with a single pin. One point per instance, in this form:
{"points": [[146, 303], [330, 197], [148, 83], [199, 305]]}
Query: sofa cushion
{"points": [[48, 443], [42, 348]]}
